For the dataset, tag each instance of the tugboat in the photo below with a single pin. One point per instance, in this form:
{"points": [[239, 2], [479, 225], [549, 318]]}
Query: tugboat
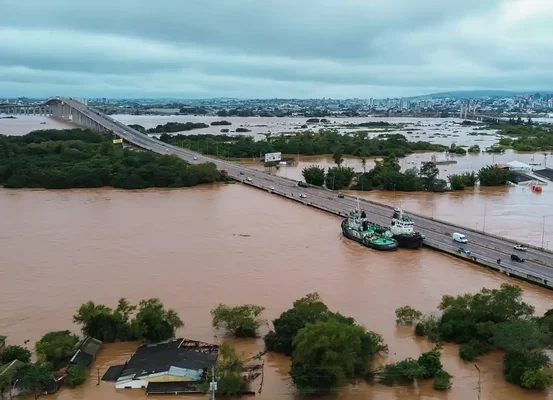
{"points": [[356, 227], [402, 231]]}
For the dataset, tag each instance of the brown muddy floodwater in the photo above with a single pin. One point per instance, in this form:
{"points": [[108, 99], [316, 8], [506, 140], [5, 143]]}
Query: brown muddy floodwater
{"points": [[197, 247]]}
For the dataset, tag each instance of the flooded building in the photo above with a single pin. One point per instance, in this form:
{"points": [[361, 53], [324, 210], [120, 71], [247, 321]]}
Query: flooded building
{"points": [[167, 367]]}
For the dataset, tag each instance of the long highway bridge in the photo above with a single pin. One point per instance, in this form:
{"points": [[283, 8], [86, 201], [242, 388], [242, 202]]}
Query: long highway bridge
{"points": [[486, 248]]}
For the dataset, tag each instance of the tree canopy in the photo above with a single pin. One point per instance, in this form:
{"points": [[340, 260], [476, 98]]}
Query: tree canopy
{"points": [[325, 141], [33, 378], [496, 319], [76, 376], [56, 347], [427, 366], [240, 321], [314, 175], [104, 323], [76, 158], [339, 177], [494, 176], [152, 322], [11, 353], [177, 127], [328, 353], [307, 310], [460, 181], [229, 372], [407, 315]]}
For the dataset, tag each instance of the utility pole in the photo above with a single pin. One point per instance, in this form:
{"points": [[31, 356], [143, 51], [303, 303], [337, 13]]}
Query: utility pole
{"points": [[543, 232], [485, 210], [479, 387], [213, 385]]}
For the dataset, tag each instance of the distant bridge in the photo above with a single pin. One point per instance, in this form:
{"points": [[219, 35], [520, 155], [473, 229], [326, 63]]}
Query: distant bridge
{"points": [[486, 249]]}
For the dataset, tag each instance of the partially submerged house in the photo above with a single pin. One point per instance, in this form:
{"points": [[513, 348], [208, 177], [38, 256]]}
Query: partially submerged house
{"points": [[86, 351], [168, 367]]}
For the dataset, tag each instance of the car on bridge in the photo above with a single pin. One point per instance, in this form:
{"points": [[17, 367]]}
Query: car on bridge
{"points": [[303, 196], [520, 247], [341, 195], [195, 158], [464, 250], [249, 179], [517, 258]]}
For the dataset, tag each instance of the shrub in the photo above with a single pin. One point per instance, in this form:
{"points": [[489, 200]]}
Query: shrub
{"points": [[442, 381], [76, 376]]}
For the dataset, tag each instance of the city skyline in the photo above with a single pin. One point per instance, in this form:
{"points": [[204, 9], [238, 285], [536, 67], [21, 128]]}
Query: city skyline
{"points": [[247, 49]]}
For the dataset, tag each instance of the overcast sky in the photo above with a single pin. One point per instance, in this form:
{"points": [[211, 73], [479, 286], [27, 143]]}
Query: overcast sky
{"points": [[273, 48]]}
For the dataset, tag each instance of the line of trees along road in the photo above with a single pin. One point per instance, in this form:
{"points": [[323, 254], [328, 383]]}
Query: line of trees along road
{"points": [[387, 175], [77, 158], [325, 141]]}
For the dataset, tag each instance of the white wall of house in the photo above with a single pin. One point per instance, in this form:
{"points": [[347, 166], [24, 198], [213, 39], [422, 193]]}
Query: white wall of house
{"points": [[174, 374]]}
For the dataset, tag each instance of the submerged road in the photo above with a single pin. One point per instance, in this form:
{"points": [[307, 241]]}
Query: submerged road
{"points": [[538, 264]]}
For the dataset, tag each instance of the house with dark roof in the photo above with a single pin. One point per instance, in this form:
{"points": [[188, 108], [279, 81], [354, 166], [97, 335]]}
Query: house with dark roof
{"points": [[86, 351], [179, 360]]}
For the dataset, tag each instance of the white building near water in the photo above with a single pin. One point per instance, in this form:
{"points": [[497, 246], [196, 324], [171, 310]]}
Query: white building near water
{"points": [[519, 166]]}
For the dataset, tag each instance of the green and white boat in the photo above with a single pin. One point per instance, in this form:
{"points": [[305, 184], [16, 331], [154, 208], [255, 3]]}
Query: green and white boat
{"points": [[357, 227]]}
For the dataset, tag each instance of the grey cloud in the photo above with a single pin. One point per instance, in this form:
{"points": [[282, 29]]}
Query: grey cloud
{"points": [[252, 48]]}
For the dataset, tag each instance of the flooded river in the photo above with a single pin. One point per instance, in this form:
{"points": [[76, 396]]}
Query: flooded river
{"points": [[197, 247]]}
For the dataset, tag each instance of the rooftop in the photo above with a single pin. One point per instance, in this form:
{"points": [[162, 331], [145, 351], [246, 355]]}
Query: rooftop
{"points": [[9, 369], [546, 173], [180, 353], [518, 164]]}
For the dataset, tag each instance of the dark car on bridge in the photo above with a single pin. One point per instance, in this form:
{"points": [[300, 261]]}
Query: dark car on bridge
{"points": [[517, 258], [464, 250]]}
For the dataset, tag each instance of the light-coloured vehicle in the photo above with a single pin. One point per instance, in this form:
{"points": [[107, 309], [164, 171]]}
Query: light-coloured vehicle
{"points": [[303, 196], [459, 237], [520, 247], [195, 158], [249, 179]]}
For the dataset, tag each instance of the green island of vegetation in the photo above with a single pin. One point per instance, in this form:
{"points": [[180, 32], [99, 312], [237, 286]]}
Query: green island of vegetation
{"points": [[493, 319], [522, 136], [325, 141], [76, 158]]}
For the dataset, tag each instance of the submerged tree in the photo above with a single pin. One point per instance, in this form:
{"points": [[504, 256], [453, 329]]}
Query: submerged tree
{"points": [[154, 323], [339, 177], [314, 175], [33, 378], [229, 372], [76, 376], [55, 347], [407, 315], [105, 324], [326, 354], [307, 310], [240, 321], [12, 353]]}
